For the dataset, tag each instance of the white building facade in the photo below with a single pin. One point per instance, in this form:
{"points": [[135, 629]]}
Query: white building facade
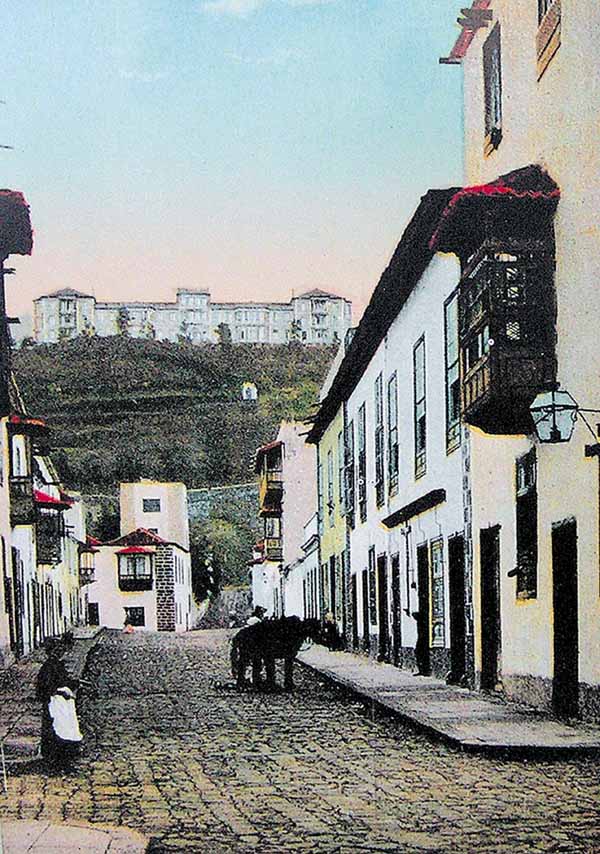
{"points": [[314, 317], [531, 126], [144, 577]]}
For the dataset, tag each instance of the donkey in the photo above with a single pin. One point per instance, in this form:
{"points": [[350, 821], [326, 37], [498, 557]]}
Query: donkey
{"points": [[267, 641]]}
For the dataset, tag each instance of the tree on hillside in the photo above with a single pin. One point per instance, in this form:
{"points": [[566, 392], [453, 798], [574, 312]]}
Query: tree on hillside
{"points": [[123, 321], [224, 333]]}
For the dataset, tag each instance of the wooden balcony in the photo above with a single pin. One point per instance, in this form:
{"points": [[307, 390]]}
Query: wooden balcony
{"points": [[270, 492], [273, 549], [22, 508], [507, 335], [130, 583], [48, 538]]}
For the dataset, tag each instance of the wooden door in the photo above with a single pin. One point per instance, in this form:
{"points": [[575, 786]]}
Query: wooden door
{"points": [[491, 640], [365, 609], [396, 611], [382, 609], [422, 651], [565, 684], [456, 572]]}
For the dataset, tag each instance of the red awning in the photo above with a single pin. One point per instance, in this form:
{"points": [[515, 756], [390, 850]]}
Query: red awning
{"points": [[26, 424], [135, 550], [46, 500]]}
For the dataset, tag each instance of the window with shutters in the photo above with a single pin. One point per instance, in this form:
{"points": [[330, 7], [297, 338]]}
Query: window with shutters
{"points": [[393, 448], [527, 525], [452, 373], [548, 34], [420, 413], [492, 82], [438, 610], [349, 473], [379, 443], [362, 462]]}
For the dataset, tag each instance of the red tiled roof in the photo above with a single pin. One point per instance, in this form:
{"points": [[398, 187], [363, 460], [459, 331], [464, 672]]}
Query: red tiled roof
{"points": [[529, 184], [463, 42], [139, 537]]}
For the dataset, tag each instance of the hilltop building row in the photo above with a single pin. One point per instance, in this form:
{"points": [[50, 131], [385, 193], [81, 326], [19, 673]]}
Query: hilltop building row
{"points": [[445, 511], [314, 317], [54, 577]]}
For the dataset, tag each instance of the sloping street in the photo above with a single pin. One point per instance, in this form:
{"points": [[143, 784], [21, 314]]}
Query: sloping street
{"points": [[173, 752]]}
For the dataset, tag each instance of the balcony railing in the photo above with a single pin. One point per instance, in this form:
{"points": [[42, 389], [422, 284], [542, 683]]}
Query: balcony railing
{"points": [[130, 583], [48, 538], [270, 491], [273, 549], [87, 575], [22, 509]]}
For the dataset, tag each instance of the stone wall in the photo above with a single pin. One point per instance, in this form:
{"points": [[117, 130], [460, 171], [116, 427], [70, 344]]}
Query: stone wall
{"points": [[236, 601], [165, 589]]}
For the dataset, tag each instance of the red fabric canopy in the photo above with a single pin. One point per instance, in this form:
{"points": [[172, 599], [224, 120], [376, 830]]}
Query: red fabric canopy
{"points": [[44, 499], [135, 550]]}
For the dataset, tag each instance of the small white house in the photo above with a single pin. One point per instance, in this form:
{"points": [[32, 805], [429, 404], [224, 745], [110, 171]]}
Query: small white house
{"points": [[144, 577]]}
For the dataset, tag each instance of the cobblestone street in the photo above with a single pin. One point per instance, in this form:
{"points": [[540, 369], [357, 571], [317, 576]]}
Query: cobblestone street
{"points": [[173, 752]]}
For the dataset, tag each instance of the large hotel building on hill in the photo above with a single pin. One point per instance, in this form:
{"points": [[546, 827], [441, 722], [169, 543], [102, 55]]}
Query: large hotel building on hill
{"points": [[314, 317]]}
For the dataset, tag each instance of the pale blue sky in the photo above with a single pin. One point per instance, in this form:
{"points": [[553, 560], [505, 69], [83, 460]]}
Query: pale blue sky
{"points": [[248, 146]]}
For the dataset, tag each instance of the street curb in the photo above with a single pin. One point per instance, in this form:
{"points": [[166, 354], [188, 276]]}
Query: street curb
{"points": [[502, 751]]}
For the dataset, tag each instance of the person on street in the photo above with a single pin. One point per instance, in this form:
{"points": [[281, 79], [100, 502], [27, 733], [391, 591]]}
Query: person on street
{"points": [[55, 688], [257, 616]]}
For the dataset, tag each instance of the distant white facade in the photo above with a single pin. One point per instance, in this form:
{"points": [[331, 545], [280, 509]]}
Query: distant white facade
{"points": [[314, 317], [144, 577]]}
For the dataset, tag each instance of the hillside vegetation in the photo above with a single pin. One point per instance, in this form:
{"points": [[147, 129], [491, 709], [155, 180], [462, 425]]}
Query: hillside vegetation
{"points": [[123, 408]]}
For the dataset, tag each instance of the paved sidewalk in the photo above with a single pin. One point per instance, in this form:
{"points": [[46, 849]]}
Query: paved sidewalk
{"points": [[41, 837], [470, 720]]}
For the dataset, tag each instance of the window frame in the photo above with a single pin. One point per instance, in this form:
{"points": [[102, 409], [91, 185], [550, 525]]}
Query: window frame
{"points": [[379, 441], [452, 385], [526, 525], [135, 580], [393, 443], [362, 462], [420, 410], [492, 90]]}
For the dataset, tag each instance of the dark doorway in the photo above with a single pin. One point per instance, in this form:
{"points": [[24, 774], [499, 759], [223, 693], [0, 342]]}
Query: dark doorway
{"points": [[491, 644], [354, 601], [422, 651], [383, 609], [18, 604], [332, 586], [565, 685], [396, 611], [93, 614], [365, 609], [456, 571]]}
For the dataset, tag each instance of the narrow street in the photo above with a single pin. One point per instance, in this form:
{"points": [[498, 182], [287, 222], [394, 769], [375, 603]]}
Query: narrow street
{"points": [[173, 752]]}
